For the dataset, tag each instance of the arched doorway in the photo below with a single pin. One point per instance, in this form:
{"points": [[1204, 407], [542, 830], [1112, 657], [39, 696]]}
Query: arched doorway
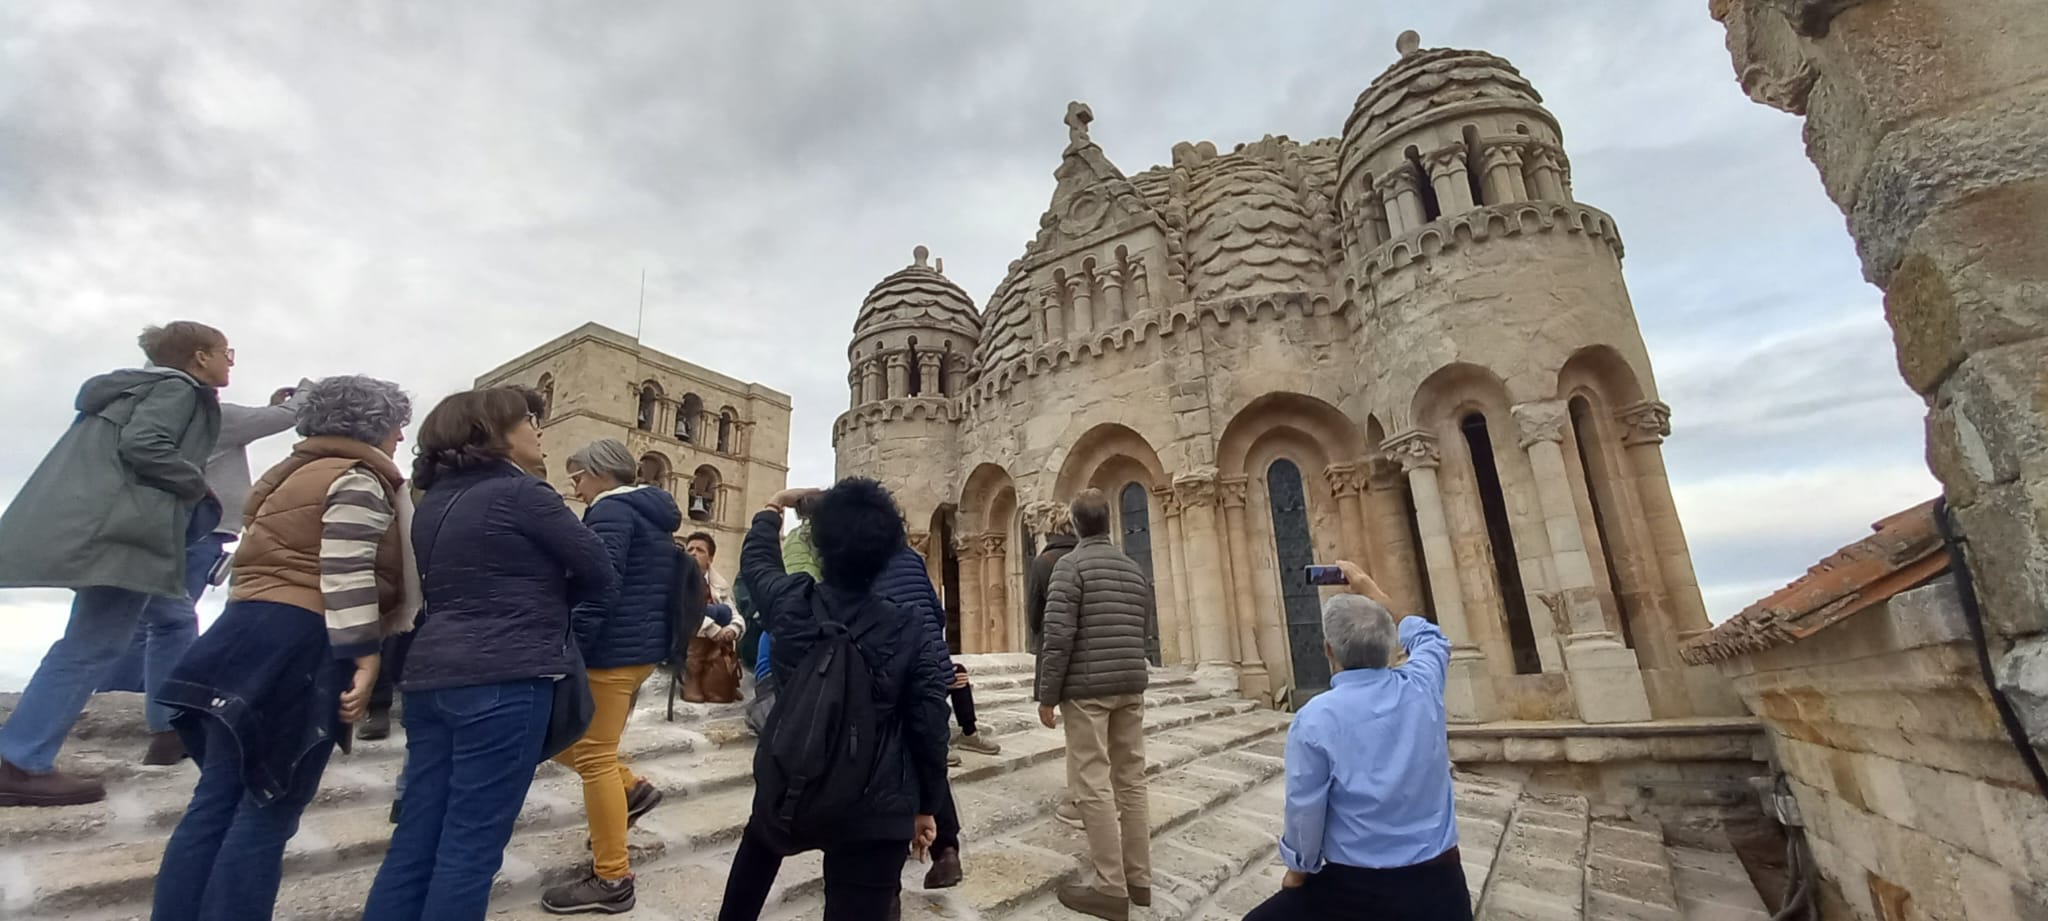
{"points": [[1300, 602], [1135, 522]]}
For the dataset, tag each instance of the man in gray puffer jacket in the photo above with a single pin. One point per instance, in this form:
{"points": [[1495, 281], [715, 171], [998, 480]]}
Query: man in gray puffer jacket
{"points": [[1091, 666]]}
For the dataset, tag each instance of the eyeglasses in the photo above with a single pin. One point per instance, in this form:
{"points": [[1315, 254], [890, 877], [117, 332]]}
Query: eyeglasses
{"points": [[533, 419]]}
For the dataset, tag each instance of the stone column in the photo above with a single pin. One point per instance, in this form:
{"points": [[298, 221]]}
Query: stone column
{"points": [[995, 580], [1404, 202], [1168, 503], [1546, 164], [1447, 176], [1394, 566], [853, 385], [1348, 487], [1253, 679], [872, 389], [1468, 688], [1204, 549], [1644, 426], [967, 548], [1140, 299], [928, 374], [898, 374], [1503, 163], [1112, 283], [1607, 684], [1055, 314], [1078, 294]]}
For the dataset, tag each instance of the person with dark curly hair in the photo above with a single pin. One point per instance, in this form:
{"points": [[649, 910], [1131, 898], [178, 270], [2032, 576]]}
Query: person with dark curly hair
{"points": [[502, 562], [856, 529]]}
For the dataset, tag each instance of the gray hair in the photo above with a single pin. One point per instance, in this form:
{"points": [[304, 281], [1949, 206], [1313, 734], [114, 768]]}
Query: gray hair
{"points": [[353, 406], [607, 457], [1360, 631]]}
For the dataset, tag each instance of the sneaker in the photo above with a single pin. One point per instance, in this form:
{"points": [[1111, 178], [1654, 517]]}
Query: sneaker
{"points": [[1089, 902], [610, 896], [21, 788], [1069, 813], [641, 800], [978, 744], [375, 727], [945, 872], [952, 758], [164, 748], [1141, 896]]}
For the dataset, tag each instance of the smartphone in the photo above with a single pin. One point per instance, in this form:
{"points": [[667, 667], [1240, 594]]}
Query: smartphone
{"points": [[1323, 575]]}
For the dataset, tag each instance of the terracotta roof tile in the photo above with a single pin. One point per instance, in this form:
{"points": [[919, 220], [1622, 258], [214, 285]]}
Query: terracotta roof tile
{"points": [[1904, 551]]}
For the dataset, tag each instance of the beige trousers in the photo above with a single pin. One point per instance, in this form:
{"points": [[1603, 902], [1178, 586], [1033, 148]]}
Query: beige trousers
{"points": [[1106, 777]]}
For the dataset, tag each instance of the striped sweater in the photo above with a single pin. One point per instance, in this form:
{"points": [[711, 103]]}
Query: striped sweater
{"points": [[357, 515]]}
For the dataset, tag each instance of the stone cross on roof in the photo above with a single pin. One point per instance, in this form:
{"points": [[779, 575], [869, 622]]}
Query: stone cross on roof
{"points": [[1078, 117]]}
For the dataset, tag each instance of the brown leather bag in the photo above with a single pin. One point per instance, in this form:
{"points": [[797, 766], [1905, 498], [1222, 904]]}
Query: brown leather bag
{"points": [[712, 673]]}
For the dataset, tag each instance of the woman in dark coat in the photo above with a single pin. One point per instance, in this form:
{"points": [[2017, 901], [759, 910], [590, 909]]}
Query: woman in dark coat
{"points": [[322, 573], [621, 646], [502, 561]]}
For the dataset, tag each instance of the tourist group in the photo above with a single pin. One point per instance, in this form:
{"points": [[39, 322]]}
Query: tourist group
{"points": [[518, 633]]}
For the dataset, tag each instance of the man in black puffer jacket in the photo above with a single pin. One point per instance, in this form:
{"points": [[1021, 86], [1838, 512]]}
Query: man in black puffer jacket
{"points": [[856, 530]]}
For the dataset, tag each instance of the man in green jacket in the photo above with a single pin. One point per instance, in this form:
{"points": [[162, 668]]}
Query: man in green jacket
{"points": [[108, 515]]}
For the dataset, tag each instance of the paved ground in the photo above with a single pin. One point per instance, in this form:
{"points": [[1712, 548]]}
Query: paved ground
{"points": [[1216, 776]]}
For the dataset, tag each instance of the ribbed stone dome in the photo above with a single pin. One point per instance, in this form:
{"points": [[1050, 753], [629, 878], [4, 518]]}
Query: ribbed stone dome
{"points": [[918, 296], [1428, 81]]}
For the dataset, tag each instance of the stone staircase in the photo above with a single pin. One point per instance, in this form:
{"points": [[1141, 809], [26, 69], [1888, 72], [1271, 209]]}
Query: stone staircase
{"points": [[1216, 789]]}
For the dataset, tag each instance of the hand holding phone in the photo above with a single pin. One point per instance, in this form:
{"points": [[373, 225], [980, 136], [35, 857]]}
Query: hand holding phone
{"points": [[1323, 575]]}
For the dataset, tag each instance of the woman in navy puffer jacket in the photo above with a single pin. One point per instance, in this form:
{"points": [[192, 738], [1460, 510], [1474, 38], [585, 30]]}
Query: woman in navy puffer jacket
{"points": [[622, 642], [502, 561]]}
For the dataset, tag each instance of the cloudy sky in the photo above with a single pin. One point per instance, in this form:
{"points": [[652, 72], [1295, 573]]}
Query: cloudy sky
{"points": [[421, 191]]}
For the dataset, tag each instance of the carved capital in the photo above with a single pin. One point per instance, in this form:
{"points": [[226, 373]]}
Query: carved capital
{"points": [[1195, 490], [1545, 156], [1135, 270], [1166, 500], [920, 541], [1345, 480], [1414, 450], [1109, 278], [1540, 421], [1233, 490], [1501, 153], [967, 546], [1647, 422], [1077, 284], [1448, 158], [1383, 473], [898, 360], [1393, 184], [992, 544]]}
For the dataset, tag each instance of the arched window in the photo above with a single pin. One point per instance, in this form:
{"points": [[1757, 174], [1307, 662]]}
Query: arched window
{"points": [[727, 422], [1431, 208], [946, 370], [1475, 166], [1599, 479], [689, 414], [650, 402], [1300, 602], [916, 376], [653, 470], [703, 503], [546, 389], [1135, 519], [1501, 538]]}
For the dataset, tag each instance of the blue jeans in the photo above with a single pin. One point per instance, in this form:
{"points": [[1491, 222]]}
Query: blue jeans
{"points": [[225, 860], [470, 757], [168, 628], [102, 620]]}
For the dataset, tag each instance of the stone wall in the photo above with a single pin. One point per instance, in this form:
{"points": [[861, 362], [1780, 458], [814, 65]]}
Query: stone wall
{"points": [[1928, 121], [1910, 791]]}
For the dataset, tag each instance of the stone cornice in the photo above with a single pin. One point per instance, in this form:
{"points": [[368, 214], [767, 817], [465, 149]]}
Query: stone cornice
{"points": [[1484, 223], [945, 409]]}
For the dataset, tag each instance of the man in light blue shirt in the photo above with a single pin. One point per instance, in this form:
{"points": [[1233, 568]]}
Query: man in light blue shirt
{"points": [[1371, 827]]}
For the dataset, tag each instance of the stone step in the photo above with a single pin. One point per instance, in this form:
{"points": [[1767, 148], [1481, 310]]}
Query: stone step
{"points": [[1713, 886], [1538, 872], [1628, 873], [102, 859]]}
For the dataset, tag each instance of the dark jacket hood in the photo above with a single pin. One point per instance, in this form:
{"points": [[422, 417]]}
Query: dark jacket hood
{"points": [[655, 505], [1060, 542], [102, 390]]}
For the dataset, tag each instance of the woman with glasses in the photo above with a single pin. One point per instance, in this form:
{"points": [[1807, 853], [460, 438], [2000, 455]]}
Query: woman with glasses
{"points": [[502, 561]]}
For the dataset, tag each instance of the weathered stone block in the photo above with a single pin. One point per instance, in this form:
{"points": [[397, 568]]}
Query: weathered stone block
{"points": [[1514, 749], [2016, 825], [2023, 676]]}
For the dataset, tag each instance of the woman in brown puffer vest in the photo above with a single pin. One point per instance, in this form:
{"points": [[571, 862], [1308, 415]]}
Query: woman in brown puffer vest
{"points": [[264, 696]]}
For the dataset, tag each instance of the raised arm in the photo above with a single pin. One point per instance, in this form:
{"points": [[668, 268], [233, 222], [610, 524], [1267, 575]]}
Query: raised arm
{"points": [[1429, 653], [761, 568]]}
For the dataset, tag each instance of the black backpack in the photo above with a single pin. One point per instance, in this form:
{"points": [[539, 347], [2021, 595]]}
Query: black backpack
{"points": [[818, 750], [685, 615]]}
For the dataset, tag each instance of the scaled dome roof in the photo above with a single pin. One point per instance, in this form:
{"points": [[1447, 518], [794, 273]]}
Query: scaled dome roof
{"points": [[1424, 81], [918, 296]]}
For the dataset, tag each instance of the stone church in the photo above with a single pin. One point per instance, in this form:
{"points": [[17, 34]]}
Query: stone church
{"points": [[1409, 346]]}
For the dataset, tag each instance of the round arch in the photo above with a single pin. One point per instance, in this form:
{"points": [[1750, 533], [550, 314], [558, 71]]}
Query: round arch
{"points": [[1449, 390], [1311, 419], [985, 485], [1106, 457]]}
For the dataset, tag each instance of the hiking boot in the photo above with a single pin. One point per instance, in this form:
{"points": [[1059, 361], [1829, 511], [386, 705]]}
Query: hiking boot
{"points": [[641, 800], [610, 896], [375, 727], [164, 748], [945, 872], [1141, 896], [978, 744], [21, 788], [1089, 902], [1069, 813]]}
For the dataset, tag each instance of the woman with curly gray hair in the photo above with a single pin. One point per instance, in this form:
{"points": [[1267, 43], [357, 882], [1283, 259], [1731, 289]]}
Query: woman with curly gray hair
{"points": [[323, 572]]}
